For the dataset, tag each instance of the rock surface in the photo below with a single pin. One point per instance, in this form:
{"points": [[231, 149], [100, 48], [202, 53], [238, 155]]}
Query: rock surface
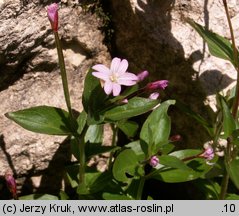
{"points": [[30, 77]]}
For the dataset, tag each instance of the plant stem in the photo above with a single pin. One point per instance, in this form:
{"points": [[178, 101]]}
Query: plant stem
{"points": [[82, 161], [236, 63], [140, 188], [63, 75], [113, 143], [224, 186], [79, 140], [225, 180]]}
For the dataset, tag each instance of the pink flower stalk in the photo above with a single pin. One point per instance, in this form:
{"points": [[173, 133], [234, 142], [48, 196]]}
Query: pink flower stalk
{"points": [[11, 183], [208, 153], [115, 76], [160, 84], [142, 75], [52, 13], [154, 161], [154, 96]]}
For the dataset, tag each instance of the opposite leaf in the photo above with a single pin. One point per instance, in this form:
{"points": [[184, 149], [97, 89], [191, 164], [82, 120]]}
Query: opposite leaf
{"points": [[158, 124], [229, 124], [136, 106], [125, 163], [43, 119]]}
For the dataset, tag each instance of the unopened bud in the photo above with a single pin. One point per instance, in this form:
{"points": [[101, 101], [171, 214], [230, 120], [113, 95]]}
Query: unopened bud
{"points": [[175, 138], [154, 161], [11, 183], [160, 84], [52, 13], [142, 75], [154, 96], [125, 101]]}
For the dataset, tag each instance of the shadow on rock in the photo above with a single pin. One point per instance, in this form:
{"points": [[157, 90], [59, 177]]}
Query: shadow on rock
{"points": [[143, 36]]}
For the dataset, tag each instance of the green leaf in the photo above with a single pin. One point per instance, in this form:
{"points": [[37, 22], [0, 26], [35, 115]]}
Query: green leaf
{"points": [[110, 196], [173, 162], [128, 127], [166, 149], [95, 182], [63, 195], [136, 147], [156, 129], [93, 98], [38, 197], [135, 106], [232, 169], [98, 182], [229, 124], [125, 163], [94, 134], [81, 122], [232, 197], [72, 173], [43, 119], [217, 45]]}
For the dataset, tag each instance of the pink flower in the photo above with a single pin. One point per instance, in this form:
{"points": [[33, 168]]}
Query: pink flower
{"points": [[160, 84], [52, 13], [142, 75], [154, 161], [154, 96], [11, 183], [115, 76]]}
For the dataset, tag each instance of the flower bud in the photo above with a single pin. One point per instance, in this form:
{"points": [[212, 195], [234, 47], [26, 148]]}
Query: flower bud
{"points": [[154, 161], [142, 75], [160, 84], [175, 138], [11, 183], [154, 96], [125, 101], [52, 13]]}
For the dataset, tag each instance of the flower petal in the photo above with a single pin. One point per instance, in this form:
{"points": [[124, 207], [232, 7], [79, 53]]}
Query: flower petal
{"points": [[101, 68], [123, 66], [116, 89], [115, 65], [108, 86], [142, 75], [101, 75], [128, 79]]}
